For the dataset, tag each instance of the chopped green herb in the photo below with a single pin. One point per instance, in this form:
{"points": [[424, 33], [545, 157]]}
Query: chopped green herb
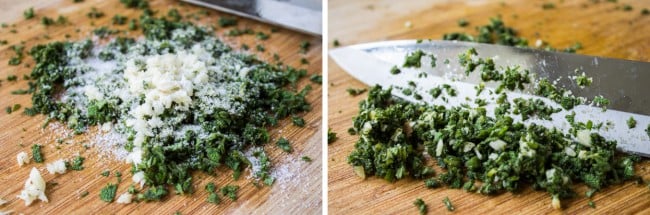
{"points": [[36, 153], [29, 13], [230, 191], [84, 194], [284, 144], [316, 78], [422, 207], [298, 121], [583, 80], [356, 92], [336, 43], [140, 4], [331, 136], [133, 25], [227, 21], [214, 198], [174, 15], [94, 13], [306, 159], [260, 48], [12, 78], [463, 23], [106, 173], [304, 61], [119, 19], [432, 183], [548, 6], [304, 46], [77, 163], [394, 70], [107, 193], [591, 204], [627, 7], [448, 204], [631, 123], [210, 187], [154, 193], [601, 102], [16, 107], [262, 36], [413, 59]]}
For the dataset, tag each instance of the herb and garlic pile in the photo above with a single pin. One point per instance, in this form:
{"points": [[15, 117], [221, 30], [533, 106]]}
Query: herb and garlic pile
{"points": [[179, 100], [487, 149]]}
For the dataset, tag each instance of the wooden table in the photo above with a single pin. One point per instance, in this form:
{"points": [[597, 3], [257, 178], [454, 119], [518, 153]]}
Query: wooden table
{"points": [[603, 30], [297, 190]]}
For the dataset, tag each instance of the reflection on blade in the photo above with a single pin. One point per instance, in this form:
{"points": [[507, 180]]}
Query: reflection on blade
{"points": [[300, 15]]}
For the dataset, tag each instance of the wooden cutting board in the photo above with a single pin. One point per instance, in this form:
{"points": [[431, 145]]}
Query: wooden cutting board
{"points": [[297, 189], [603, 30]]}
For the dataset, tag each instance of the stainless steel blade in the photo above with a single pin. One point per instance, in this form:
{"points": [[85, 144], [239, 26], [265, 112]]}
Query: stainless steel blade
{"points": [[300, 15], [621, 81]]}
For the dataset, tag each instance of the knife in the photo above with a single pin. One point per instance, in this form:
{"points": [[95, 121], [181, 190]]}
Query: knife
{"points": [[623, 82], [299, 15]]}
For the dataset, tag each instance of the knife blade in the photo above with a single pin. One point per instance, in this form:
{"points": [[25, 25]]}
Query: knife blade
{"points": [[300, 15], [623, 82]]}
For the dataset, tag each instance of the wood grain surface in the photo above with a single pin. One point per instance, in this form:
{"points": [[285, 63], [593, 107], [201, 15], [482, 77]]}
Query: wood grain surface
{"points": [[603, 28], [297, 189]]}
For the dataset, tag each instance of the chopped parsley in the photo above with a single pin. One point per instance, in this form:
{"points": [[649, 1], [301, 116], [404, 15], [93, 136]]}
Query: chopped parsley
{"points": [[106, 173], [548, 6], [83, 194], [422, 207], [140, 4], [331, 136], [284, 144], [12, 78], [336, 43], [227, 21], [394, 70], [356, 92], [318, 79], [413, 59], [304, 46], [306, 159], [94, 13], [230, 191], [77, 163], [463, 22], [29, 13], [583, 80], [631, 123], [119, 19], [448, 204], [601, 101], [36, 153], [298, 121], [107, 193]]}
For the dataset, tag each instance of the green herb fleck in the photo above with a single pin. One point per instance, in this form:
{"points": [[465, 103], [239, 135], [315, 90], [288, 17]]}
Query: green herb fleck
{"points": [[84, 194], [77, 163], [106, 173], [422, 207], [631, 123], [394, 70], [548, 6], [107, 194], [284, 144], [448, 204], [463, 22], [306, 159], [413, 59], [336, 43], [304, 46], [29, 13], [227, 21], [119, 19], [36, 153], [356, 92], [298, 121], [230, 191], [331, 136], [318, 79], [94, 13]]}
